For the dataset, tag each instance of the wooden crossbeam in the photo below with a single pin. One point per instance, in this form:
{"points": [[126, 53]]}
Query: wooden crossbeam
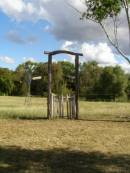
{"points": [[62, 51]]}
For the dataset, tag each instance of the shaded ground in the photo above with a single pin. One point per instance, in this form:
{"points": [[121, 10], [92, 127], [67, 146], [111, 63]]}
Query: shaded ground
{"points": [[18, 160], [64, 146]]}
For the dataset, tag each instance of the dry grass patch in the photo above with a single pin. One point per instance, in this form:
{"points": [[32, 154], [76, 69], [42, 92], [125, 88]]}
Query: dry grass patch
{"points": [[63, 146]]}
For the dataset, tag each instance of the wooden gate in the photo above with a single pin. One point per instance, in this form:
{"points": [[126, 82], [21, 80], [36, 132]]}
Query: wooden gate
{"points": [[63, 106], [49, 98]]}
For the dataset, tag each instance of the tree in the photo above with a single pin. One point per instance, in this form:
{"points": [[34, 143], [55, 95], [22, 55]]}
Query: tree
{"points": [[112, 83], [20, 78], [100, 10], [128, 87], [19, 82], [57, 78], [68, 75], [89, 78], [6, 86], [6, 81]]}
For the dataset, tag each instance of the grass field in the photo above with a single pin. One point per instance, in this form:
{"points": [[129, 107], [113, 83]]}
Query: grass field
{"points": [[14, 107], [30, 144]]}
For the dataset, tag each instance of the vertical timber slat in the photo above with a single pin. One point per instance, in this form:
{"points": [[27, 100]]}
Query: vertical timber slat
{"points": [[49, 110], [77, 86], [62, 105], [52, 105], [67, 107]]}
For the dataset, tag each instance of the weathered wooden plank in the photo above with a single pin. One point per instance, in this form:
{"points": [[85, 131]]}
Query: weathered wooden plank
{"points": [[67, 106], [62, 51], [52, 106], [77, 86], [49, 111]]}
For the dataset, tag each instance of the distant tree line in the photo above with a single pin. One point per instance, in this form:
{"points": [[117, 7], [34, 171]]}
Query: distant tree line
{"points": [[96, 82]]}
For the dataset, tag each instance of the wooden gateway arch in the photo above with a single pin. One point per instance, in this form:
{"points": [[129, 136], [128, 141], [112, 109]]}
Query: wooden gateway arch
{"points": [[50, 54]]}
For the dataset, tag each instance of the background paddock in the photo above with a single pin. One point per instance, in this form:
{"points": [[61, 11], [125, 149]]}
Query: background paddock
{"points": [[13, 107]]}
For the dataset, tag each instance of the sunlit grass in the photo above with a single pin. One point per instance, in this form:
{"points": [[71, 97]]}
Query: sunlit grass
{"points": [[14, 107], [104, 110]]}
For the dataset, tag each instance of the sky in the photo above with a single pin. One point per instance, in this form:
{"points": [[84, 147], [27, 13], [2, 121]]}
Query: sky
{"points": [[29, 27]]}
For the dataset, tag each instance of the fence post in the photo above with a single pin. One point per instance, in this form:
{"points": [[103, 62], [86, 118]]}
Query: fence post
{"points": [[70, 106], [58, 111], [49, 108], [73, 107], [77, 86], [52, 105], [67, 107], [62, 105]]}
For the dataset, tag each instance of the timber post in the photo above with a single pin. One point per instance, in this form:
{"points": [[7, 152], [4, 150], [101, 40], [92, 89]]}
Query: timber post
{"points": [[77, 86], [49, 100]]}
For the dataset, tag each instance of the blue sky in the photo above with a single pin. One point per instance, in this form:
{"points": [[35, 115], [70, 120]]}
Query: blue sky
{"points": [[32, 26], [21, 49]]}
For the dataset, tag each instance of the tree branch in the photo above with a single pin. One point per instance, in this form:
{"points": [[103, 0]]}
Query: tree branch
{"points": [[115, 45], [81, 13], [126, 7], [115, 29], [112, 43]]}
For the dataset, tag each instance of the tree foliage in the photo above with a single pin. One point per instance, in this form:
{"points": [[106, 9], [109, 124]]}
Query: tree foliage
{"points": [[100, 10], [96, 83], [89, 77], [112, 83]]}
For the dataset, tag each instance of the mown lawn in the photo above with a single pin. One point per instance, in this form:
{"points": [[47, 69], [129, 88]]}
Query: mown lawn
{"points": [[31, 144]]}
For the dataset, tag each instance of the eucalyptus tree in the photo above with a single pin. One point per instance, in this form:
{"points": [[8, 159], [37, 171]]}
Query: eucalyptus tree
{"points": [[99, 11]]}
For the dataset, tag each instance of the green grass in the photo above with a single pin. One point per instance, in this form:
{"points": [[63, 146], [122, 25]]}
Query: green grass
{"points": [[14, 107], [105, 111]]}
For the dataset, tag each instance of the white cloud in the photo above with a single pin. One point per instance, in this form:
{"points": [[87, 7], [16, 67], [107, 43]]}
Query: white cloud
{"points": [[101, 53], [7, 60], [64, 21], [125, 67], [29, 59], [68, 45], [22, 10]]}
